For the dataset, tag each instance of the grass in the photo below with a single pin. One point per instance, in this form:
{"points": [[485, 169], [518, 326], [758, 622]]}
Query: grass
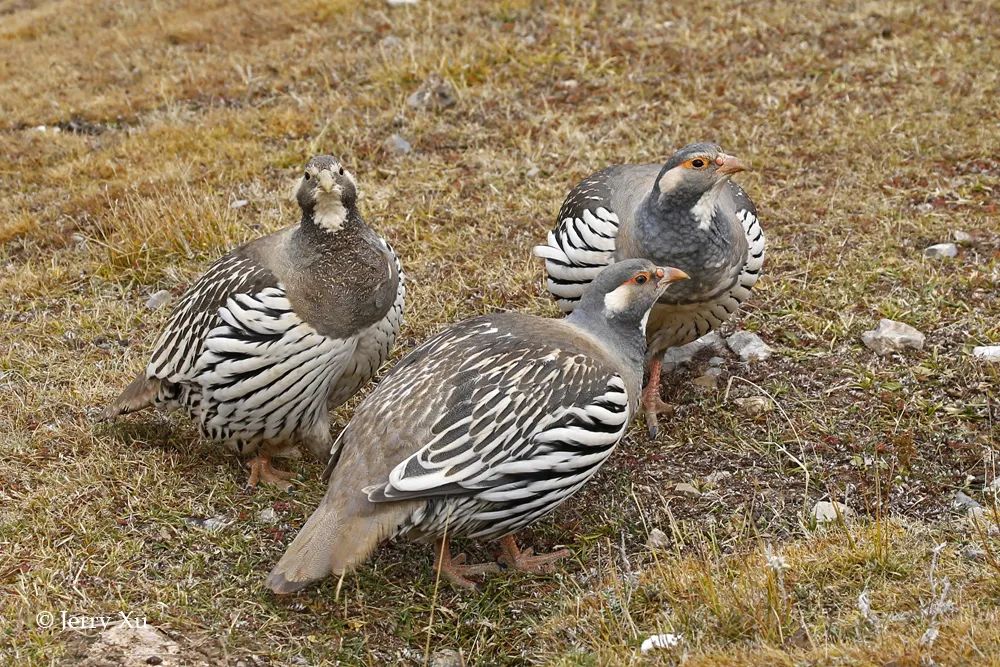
{"points": [[872, 130]]}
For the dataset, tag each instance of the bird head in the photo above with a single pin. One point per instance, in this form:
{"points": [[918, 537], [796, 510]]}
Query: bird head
{"points": [[695, 170], [625, 291], [326, 192]]}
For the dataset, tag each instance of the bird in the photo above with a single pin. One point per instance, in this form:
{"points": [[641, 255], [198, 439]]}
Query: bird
{"points": [[481, 430], [686, 212], [280, 331]]}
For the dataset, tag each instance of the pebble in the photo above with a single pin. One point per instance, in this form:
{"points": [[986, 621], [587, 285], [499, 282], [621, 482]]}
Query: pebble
{"points": [[709, 380], [434, 93], [683, 354], [717, 476], [657, 540], [987, 352], [716, 362], [973, 554], [749, 346], [211, 524], [447, 657], [398, 145], [239, 203], [687, 489], [268, 516], [391, 43], [532, 172], [891, 336], [158, 299], [964, 502], [962, 238], [826, 511], [401, 3], [668, 640], [755, 405], [941, 250]]}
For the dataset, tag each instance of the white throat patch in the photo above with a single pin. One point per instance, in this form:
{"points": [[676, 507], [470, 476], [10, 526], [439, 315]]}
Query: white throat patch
{"points": [[616, 301], [704, 209], [330, 213]]}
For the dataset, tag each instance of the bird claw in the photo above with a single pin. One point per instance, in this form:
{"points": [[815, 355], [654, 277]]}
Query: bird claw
{"points": [[525, 560], [262, 471], [653, 406]]}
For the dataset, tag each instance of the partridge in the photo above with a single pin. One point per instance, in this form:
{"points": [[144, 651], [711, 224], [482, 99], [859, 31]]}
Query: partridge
{"points": [[483, 429], [280, 331], [686, 213]]}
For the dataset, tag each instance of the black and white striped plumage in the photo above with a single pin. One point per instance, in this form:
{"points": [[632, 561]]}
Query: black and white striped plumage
{"points": [[693, 218], [282, 329], [484, 428]]}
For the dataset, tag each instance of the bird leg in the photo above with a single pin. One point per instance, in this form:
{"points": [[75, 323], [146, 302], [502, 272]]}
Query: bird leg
{"points": [[526, 561], [262, 471], [455, 570], [652, 404]]}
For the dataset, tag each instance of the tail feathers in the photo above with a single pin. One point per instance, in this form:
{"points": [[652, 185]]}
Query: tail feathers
{"points": [[137, 396], [340, 534]]}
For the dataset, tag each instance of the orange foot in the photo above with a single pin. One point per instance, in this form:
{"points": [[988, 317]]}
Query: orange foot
{"points": [[455, 570], [526, 561], [652, 404], [262, 471]]}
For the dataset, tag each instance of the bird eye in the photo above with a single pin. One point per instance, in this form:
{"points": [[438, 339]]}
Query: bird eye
{"points": [[697, 163], [306, 176], [341, 171], [641, 279]]}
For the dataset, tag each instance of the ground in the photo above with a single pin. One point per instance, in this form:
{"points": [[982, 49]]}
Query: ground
{"points": [[140, 140]]}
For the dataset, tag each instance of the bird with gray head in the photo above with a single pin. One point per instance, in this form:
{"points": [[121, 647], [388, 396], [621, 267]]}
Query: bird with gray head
{"points": [[481, 430], [280, 331], [686, 213]]}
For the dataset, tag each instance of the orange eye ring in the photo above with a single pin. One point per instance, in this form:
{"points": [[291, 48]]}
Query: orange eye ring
{"points": [[641, 279], [699, 162]]}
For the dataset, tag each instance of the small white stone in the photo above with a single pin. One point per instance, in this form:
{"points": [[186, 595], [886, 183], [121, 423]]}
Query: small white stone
{"points": [[391, 43], [668, 640], [687, 489], [239, 203], [268, 515], [962, 238], [755, 405], [532, 171], [987, 352], [158, 299], [400, 3], [941, 250], [716, 362], [657, 540], [749, 346], [678, 356], [447, 657], [891, 336], [398, 145], [717, 476], [964, 502], [828, 512]]}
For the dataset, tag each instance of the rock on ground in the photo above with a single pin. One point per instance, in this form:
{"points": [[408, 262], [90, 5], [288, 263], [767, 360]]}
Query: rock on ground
{"points": [[447, 657], [941, 250], [754, 405], [987, 352], [826, 511], [134, 645], [158, 299], [962, 238], [398, 145], [891, 336], [683, 354], [434, 94], [657, 540], [663, 641], [749, 346]]}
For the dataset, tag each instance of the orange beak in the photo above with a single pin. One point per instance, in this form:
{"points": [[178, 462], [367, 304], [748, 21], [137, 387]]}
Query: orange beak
{"points": [[729, 164], [668, 274]]}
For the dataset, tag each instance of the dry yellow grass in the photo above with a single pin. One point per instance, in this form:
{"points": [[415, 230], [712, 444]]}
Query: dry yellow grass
{"points": [[873, 132]]}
